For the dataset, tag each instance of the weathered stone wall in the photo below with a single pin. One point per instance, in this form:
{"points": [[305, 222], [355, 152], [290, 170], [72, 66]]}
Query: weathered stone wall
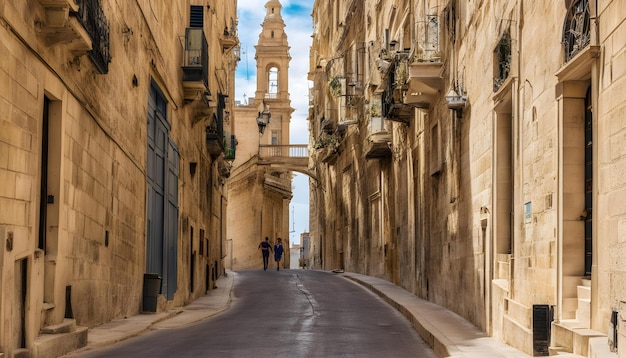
{"points": [[97, 144], [481, 211]]}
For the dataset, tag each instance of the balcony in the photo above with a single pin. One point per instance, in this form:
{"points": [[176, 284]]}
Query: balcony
{"points": [[425, 83], [393, 106], [79, 24], [230, 150], [229, 39], [378, 141], [61, 28], [195, 64], [328, 121], [327, 125], [214, 142], [327, 147]]}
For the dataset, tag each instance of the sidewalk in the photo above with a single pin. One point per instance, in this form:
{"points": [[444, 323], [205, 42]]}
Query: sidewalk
{"points": [[217, 300], [446, 332]]}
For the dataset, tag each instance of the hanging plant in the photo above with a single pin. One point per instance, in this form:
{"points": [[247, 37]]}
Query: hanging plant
{"points": [[384, 54], [330, 141], [334, 87], [375, 109]]}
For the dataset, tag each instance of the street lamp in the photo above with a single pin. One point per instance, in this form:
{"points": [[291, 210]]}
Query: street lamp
{"points": [[264, 117], [456, 102]]}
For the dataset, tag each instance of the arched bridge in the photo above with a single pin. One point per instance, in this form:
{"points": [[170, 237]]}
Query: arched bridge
{"points": [[292, 157]]}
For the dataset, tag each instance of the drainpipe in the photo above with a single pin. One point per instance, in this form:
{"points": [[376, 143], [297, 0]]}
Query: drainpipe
{"points": [[595, 316]]}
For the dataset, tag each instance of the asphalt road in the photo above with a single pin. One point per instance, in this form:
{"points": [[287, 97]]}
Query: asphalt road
{"points": [[287, 313]]}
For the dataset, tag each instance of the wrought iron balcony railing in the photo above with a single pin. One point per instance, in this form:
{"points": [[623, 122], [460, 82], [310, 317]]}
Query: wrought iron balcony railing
{"points": [[230, 149], [91, 16]]}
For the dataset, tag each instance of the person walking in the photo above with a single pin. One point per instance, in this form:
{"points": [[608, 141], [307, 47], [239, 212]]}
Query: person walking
{"points": [[278, 252], [265, 248]]}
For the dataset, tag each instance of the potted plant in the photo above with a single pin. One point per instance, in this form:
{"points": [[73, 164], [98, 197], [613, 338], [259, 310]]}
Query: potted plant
{"points": [[334, 87]]}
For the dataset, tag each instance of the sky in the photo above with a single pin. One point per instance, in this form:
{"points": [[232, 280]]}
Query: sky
{"points": [[298, 26]]}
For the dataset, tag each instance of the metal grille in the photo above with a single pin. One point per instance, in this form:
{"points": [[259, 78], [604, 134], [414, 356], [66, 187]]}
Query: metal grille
{"points": [[196, 16], [576, 34], [91, 16]]}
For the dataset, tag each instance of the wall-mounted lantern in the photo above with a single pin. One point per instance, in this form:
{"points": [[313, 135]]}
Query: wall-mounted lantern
{"points": [[263, 118], [456, 102]]}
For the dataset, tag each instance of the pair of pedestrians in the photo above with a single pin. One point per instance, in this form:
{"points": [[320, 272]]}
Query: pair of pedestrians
{"points": [[266, 247]]}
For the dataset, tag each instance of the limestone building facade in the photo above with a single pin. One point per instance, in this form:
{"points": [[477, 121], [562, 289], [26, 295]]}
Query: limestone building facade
{"points": [[472, 152], [259, 193], [115, 144]]}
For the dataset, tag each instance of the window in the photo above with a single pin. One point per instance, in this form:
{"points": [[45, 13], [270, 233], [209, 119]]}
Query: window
{"points": [[502, 61], [576, 29], [196, 16], [272, 81]]}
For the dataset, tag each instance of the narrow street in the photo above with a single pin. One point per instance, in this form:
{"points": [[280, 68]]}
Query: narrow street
{"points": [[290, 313]]}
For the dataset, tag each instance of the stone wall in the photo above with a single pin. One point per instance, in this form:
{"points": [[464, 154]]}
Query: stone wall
{"points": [[91, 266], [480, 209]]}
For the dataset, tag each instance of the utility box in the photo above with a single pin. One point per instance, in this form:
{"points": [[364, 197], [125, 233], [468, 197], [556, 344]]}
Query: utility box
{"points": [[151, 290]]}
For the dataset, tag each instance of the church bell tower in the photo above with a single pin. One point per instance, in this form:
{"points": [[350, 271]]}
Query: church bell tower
{"points": [[272, 64], [259, 194]]}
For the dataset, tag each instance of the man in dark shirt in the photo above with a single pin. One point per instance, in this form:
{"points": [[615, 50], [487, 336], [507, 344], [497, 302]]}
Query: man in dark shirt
{"points": [[265, 248], [278, 252]]}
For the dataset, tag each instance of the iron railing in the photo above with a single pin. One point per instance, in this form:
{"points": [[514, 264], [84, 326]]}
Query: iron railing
{"points": [[231, 149], [503, 54], [576, 29], [91, 16]]}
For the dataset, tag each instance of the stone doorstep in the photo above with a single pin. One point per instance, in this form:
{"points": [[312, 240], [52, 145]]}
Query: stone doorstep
{"points": [[67, 326], [570, 337], [21, 353], [55, 345]]}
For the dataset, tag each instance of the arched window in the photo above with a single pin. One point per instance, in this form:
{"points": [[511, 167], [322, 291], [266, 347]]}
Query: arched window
{"points": [[272, 81], [576, 29], [272, 34]]}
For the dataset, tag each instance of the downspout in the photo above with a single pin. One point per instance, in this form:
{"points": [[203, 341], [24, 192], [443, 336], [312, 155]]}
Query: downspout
{"points": [[516, 161], [595, 316]]}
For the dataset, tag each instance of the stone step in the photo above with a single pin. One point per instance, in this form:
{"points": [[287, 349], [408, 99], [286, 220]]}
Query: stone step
{"points": [[21, 353], [573, 336], [503, 269], [561, 352], [58, 344], [570, 305], [67, 326], [584, 292]]}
